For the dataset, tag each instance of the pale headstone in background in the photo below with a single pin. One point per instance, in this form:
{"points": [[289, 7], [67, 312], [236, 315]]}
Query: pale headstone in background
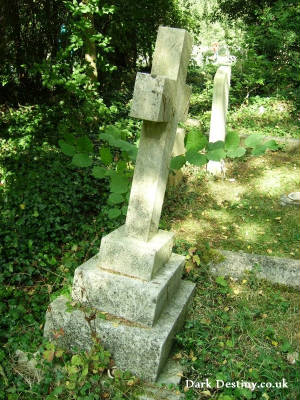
{"points": [[218, 114]]}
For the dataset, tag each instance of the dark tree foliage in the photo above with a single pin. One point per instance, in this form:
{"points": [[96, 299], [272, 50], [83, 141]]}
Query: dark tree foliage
{"points": [[34, 31]]}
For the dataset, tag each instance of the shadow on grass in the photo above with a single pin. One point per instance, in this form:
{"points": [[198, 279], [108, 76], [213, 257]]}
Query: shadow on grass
{"points": [[241, 215]]}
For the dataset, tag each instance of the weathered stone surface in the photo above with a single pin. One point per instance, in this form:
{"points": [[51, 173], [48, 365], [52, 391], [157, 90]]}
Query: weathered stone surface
{"points": [[133, 257], [274, 269], [152, 99], [170, 60], [178, 149], [290, 199], [218, 114], [171, 373], [141, 350], [125, 297]]}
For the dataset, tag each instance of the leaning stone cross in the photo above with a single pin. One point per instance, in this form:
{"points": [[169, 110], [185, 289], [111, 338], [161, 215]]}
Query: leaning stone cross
{"points": [[134, 280], [161, 99]]}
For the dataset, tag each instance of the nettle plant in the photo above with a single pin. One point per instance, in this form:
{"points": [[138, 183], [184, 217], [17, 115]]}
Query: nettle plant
{"points": [[199, 150], [115, 157], [112, 161]]}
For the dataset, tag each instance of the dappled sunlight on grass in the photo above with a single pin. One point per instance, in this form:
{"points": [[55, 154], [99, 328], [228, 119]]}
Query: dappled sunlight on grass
{"points": [[269, 116], [242, 211], [271, 181], [250, 231]]}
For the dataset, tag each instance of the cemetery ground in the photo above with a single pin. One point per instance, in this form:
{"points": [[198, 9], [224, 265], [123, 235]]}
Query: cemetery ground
{"points": [[236, 330], [244, 330]]}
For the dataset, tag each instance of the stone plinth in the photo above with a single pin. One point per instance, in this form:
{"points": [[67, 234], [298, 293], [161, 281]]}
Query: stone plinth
{"points": [[141, 350], [133, 257], [125, 297]]}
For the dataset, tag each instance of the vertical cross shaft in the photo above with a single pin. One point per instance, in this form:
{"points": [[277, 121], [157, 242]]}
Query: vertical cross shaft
{"points": [[170, 61]]}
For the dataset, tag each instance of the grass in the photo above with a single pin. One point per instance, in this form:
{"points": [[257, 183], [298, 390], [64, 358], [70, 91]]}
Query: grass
{"points": [[240, 330], [242, 211], [246, 329]]}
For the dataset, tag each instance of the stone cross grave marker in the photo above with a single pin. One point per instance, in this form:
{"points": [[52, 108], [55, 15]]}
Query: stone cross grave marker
{"points": [[135, 277], [218, 114]]}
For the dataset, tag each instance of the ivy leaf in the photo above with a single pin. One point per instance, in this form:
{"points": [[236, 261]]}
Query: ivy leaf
{"points": [[236, 152], [84, 145], [119, 184], [253, 141], [232, 140], [219, 144], [259, 150], [114, 213], [81, 160], [216, 155], [193, 157], [177, 162], [105, 155], [115, 198], [66, 148], [195, 140], [124, 210], [99, 172], [271, 144]]}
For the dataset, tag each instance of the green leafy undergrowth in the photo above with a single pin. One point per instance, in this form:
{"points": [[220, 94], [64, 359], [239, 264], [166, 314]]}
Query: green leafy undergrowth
{"points": [[59, 374], [199, 150], [237, 330], [51, 212]]}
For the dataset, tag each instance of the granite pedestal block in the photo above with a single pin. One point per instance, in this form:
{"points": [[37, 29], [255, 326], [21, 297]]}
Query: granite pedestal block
{"points": [[133, 257], [129, 298], [141, 350]]}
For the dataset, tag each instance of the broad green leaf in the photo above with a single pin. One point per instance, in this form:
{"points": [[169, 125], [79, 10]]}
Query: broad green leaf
{"points": [[84, 145], [219, 144], [124, 210], [130, 148], [195, 140], [236, 152], [115, 198], [253, 141], [66, 148], [259, 150], [271, 144], [193, 157], [114, 213], [232, 140], [105, 155], [113, 131], [221, 281], [216, 155], [82, 160], [121, 165], [99, 172], [111, 140], [177, 162], [70, 138], [119, 184]]}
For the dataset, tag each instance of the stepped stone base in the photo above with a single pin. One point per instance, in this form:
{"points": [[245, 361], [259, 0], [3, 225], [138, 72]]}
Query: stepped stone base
{"points": [[129, 298], [132, 257], [139, 349]]}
